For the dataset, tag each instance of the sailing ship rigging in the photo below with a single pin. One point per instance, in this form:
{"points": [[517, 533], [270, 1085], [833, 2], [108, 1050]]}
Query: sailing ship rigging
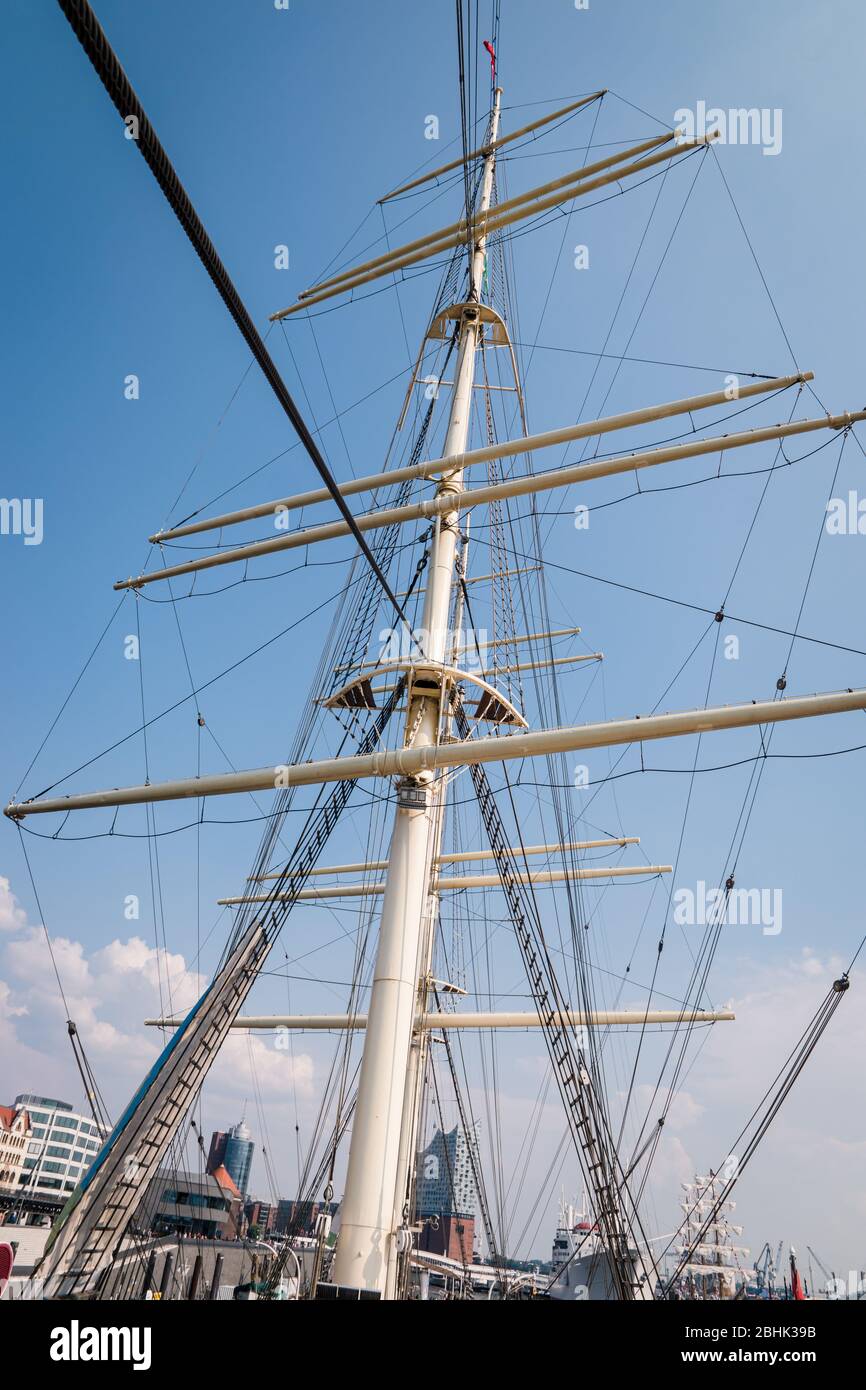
{"points": [[714, 1263], [435, 714]]}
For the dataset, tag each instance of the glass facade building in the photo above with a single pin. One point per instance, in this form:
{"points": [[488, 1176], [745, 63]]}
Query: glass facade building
{"points": [[61, 1147], [446, 1186], [238, 1156]]}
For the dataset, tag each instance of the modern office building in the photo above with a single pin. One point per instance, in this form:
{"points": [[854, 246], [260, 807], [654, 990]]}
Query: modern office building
{"points": [[238, 1156], [299, 1218], [445, 1201], [262, 1215], [178, 1202], [61, 1145], [234, 1150]]}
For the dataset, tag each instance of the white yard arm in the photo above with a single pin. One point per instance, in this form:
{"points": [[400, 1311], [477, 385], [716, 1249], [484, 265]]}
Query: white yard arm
{"points": [[415, 762]]}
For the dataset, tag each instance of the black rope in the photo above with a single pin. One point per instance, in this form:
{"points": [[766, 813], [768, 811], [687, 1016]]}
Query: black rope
{"points": [[682, 603]]}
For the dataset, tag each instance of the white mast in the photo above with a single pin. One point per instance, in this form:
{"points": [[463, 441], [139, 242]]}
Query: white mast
{"points": [[366, 1243]]}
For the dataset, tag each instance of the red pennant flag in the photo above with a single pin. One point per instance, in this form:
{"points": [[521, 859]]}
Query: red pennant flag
{"points": [[797, 1290], [490, 49]]}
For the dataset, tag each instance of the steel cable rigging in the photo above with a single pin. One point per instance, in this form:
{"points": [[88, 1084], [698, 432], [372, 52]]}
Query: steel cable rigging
{"points": [[762, 1117]]}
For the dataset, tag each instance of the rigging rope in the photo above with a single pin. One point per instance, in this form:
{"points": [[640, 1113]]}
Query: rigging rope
{"points": [[764, 1114]]}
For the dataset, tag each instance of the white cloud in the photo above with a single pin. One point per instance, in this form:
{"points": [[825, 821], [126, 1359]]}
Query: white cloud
{"points": [[8, 1009], [805, 1183], [12, 917], [29, 959], [159, 978], [109, 992], [685, 1111], [248, 1062]]}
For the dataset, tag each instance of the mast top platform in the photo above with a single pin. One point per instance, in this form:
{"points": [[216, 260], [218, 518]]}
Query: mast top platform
{"points": [[493, 705], [485, 314]]}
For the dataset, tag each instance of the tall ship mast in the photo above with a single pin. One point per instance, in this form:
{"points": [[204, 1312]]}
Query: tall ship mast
{"points": [[436, 698], [716, 1267]]}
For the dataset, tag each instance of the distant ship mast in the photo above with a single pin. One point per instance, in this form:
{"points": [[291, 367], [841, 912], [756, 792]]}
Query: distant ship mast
{"points": [[716, 1264]]}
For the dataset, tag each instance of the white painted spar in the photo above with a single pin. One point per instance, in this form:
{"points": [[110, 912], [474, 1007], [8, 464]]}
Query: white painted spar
{"points": [[572, 185], [428, 239], [508, 448], [496, 144], [418, 761], [521, 486], [461, 647], [467, 856], [615, 1018], [546, 664], [453, 883]]}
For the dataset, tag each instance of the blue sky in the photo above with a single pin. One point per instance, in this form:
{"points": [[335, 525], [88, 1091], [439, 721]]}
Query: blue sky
{"points": [[285, 127]]}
